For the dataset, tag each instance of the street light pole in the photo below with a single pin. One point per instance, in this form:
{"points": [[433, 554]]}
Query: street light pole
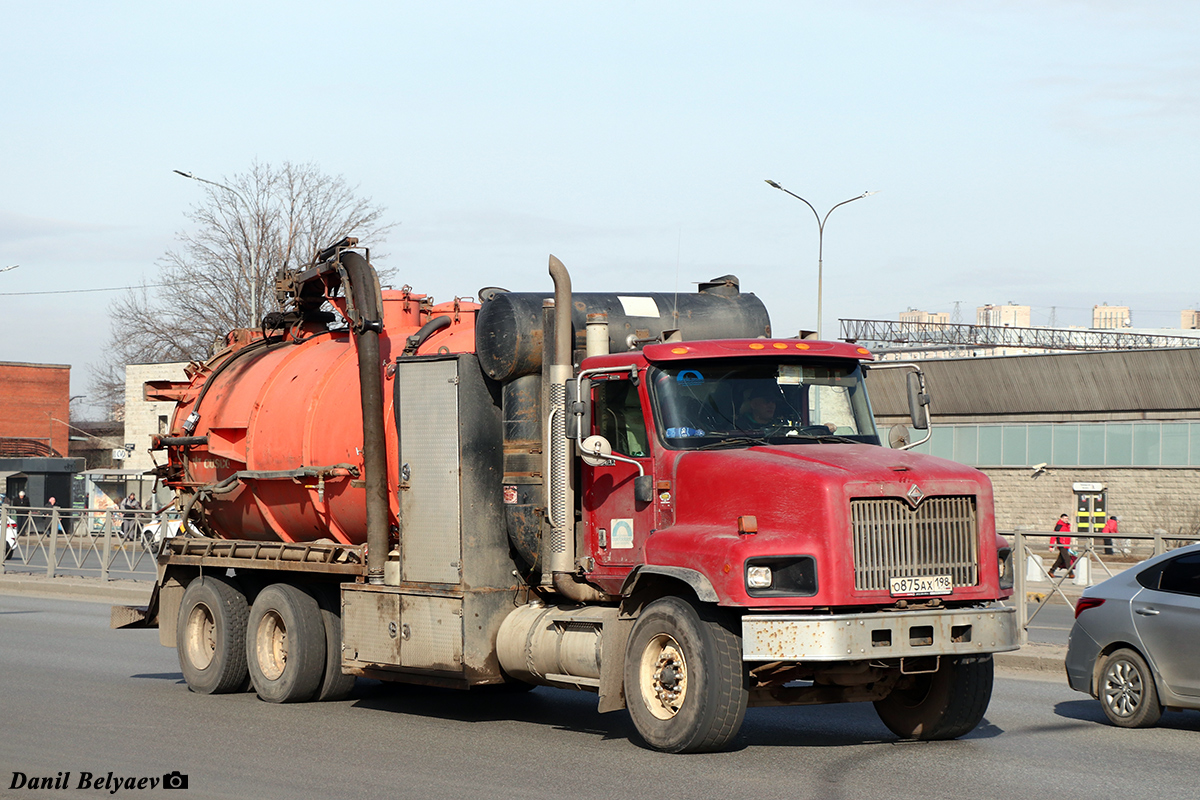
{"points": [[252, 247], [820, 239]]}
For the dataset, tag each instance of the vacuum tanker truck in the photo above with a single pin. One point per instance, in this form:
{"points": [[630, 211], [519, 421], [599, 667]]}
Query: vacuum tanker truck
{"points": [[633, 494]]}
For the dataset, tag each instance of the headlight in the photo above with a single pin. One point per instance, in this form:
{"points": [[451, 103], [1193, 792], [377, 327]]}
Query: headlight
{"points": [[1004, 559], [781, 576], [758, 577]]}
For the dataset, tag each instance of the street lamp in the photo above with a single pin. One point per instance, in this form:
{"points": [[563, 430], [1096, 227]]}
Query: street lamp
{"points": [[253, 280], [820, 238]]}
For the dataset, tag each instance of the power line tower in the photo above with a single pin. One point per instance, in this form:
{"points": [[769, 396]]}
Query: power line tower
{"points": [[956, 318]]}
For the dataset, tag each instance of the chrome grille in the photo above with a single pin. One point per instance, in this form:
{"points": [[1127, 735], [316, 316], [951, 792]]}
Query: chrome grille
{"points": [[894, 540]]}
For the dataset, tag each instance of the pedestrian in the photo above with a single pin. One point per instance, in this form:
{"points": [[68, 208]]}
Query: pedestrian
{"points": [[129, 523], [1063, 545], [21, 502], [1110, 528]]}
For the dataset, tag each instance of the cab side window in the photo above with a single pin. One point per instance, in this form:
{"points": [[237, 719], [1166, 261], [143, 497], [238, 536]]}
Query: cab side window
{"points": [[617, 411]]}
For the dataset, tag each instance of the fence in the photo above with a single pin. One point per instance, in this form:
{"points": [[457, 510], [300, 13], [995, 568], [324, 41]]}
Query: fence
{"points": [[84, 541], [1097, 559]]}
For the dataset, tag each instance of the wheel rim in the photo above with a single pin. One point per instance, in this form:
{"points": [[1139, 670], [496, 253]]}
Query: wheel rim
{"points": [[271, 645], [200, 638], [1123, 688], [663, 676]]}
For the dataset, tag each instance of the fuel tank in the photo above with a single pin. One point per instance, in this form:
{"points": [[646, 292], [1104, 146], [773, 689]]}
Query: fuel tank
{"points": [[510, 334], [277, 450]]}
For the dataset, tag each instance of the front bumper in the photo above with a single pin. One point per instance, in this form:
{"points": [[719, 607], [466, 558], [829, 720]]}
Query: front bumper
{"points": [[885, 634]]}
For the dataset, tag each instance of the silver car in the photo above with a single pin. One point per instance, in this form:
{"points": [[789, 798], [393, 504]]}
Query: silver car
{"points": [[1135, 644]]}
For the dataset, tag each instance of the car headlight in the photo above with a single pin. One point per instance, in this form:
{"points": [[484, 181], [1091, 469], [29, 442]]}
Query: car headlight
{"points": [[758, 577], [781, 576]]}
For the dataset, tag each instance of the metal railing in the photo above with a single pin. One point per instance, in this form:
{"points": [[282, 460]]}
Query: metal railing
{"points": [[1095, 561], [105, 543]]}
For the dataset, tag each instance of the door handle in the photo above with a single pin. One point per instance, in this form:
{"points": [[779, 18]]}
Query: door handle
{"points": [[1146, 612]]}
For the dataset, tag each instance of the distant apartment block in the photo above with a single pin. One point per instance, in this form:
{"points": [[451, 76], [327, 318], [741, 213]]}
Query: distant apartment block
{"points": [[1108, 317], [1006, 316], [1189, 320], [925, 317]]}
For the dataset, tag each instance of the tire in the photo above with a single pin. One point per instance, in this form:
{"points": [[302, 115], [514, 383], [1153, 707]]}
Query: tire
{"points": [[1126, 690], [685, 686], [210, 636], [334, 685], [940, 705], [285, 644]]}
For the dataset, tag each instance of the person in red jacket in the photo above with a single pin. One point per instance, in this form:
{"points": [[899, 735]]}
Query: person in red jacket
{"points": [[1063, 544], [1110, 528]]}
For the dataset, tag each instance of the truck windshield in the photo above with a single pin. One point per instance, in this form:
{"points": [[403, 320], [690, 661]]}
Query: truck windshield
{"points": [[732, 403]]}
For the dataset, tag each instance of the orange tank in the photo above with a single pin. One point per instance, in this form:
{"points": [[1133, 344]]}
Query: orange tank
{"points": [[281, 421]]}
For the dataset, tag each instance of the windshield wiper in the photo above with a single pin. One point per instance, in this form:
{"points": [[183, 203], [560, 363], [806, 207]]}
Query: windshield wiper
{"points": [[824, 437], [734, 441]]}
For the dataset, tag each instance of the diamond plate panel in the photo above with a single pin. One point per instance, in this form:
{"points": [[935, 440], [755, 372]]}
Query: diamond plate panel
{"points": [[431, 551], [434, 630]]}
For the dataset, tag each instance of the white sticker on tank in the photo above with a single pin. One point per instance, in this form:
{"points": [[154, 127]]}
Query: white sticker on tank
{"points": [[639, 306], [622, 534]]}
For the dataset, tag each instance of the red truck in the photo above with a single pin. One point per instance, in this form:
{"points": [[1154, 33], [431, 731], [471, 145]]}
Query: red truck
{"points": [[639, 495]]}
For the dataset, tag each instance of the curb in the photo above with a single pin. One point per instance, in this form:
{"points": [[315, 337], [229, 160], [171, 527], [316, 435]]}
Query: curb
{"points": [[1045, 659], [93, 590]]}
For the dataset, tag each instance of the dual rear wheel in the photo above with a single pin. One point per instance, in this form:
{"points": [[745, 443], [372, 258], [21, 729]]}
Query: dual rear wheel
{"points": [[287, 644]]}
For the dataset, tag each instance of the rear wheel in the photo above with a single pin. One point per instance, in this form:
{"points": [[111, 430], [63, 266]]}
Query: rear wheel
{"points": [[943, 704], [334, 685], [685, 686], [1127, 692], [210, 636], [285, 644]]}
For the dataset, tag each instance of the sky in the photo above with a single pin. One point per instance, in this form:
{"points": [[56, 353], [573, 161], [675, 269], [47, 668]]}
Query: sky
{"points": [[1042, 153]]}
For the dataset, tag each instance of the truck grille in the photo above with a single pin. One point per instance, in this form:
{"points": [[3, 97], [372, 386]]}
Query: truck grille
{"points": [[894, 540]]}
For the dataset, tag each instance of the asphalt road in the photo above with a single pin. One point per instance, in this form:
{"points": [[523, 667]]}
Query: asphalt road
{"points": [[77, 697]]}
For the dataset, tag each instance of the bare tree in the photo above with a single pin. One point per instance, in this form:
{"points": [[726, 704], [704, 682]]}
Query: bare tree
{"points": [[247, 228]]}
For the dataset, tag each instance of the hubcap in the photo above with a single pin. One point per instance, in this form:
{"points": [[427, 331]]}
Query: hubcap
{"points": [[271, 645], [1123, 689], [200, 636], [663, 676]]}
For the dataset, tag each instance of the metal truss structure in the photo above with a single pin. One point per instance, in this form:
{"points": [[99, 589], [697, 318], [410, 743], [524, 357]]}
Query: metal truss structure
{"points": [[886, 336]]}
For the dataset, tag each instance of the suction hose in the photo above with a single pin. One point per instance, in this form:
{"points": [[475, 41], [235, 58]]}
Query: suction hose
{"points": [[368, 324]]}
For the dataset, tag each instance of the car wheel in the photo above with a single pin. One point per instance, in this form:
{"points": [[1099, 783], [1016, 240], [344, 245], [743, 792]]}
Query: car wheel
{"points": [[211, 636], [939, 705], [1127, 692], [685, 685], [334, 685], [285, 644]]}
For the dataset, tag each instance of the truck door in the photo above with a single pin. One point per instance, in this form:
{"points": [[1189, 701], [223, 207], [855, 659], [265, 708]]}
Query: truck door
{"points": [[616, 523]]}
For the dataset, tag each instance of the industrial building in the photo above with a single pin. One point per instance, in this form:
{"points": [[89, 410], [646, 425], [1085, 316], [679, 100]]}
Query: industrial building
{"points": [[1125, 425]]}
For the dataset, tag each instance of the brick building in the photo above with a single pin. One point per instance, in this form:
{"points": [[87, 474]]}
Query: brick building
{"points": [[36, 404]]}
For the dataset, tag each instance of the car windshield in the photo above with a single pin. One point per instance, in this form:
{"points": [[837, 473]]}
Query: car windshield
{"points": [[743, 402]]}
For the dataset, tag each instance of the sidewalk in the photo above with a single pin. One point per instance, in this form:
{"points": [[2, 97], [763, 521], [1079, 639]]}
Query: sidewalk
{"points": [[1040, 660]]}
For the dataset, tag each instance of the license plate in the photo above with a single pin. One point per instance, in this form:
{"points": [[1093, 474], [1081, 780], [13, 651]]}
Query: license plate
{"points": [[922, 586]]}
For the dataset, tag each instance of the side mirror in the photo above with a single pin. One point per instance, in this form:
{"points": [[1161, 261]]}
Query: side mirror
{"points": [[596, 451], [918, 401], [643, 488]]}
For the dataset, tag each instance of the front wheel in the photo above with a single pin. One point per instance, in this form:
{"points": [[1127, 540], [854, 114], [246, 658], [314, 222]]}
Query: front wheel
{"points": [[1127, 691], [943, 704], [685, 685]]}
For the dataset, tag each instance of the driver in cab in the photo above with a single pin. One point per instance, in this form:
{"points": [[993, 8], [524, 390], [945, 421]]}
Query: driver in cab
{"points": [[758, 409]]}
